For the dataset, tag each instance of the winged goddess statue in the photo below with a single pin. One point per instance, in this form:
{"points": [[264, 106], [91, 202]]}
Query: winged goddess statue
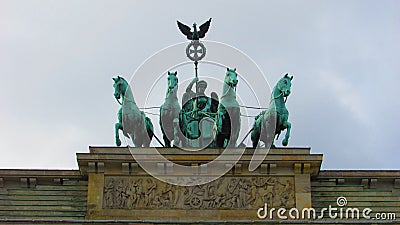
{"points": [[196, 34]]}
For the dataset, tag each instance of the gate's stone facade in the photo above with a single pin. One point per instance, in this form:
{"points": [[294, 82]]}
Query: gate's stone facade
{"points": [[110, 186]]}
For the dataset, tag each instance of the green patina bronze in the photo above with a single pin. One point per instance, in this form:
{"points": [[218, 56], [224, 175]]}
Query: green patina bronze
{"points": [[272, 122], [133, 123], [196, 117], [202, 121], [197, 102], [228, 115], [169, 111], [206, 122]]}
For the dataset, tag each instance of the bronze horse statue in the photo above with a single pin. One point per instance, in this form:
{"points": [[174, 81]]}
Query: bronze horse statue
{"points": [[170, 110], [228, 115], [133, 123], [272, 122]]}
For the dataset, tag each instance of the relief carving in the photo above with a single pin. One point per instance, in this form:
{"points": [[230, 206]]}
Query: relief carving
{"points": [[224, 193]]}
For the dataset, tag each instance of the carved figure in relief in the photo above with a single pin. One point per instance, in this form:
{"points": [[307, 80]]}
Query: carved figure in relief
{"points": [[122, 194], [165, 196], [109, 194], [252, 194], [149, 192], [136, 193], [233, 193], [243, 188], [286, 195], [168, 195], [223, 193], [220, 200], [209, 195]]}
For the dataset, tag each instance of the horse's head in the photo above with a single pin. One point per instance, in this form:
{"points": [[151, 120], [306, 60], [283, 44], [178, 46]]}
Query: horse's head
{"points": [[172, 80], [120, 86], [231, 77], [284, 85]]}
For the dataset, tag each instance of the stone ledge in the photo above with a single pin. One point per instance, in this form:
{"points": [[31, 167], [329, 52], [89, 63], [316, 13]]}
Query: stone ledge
{"points": [[115, 160], [209, 151], [40, 173], [358, 174]]}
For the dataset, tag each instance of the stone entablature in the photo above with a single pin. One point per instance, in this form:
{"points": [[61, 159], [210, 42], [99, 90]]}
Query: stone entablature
{"points": [[119, 188], [110, 186]]}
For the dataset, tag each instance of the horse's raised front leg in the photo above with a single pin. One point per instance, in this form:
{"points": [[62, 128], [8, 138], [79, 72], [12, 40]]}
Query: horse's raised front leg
{"points": [[286, 125], [219, 137], [118, 126]]}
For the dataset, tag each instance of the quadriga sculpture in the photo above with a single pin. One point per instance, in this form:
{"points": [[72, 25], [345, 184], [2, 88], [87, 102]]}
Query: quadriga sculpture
{"points": [[170, 110], [133, 123], [272, 122], [228, 114]]}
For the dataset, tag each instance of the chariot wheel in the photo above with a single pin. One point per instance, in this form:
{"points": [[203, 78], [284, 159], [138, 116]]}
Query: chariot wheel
{"points": [[195, 202]]}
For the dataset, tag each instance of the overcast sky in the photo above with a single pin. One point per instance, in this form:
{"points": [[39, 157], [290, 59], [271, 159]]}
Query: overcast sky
{"points": [[57, 59]]}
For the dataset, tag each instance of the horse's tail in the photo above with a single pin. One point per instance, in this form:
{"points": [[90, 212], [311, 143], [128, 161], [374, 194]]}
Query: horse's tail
{"points": [[149, 127], [257, 121], [260, 114], [277, 136]]}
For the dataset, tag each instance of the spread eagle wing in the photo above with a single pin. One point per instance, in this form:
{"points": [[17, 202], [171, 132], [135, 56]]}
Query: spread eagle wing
{"points": [[185, 30], [204, 28]]}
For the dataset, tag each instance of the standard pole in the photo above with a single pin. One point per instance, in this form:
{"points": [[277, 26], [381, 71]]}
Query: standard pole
{"points": [[195, 98], [195, 68]]}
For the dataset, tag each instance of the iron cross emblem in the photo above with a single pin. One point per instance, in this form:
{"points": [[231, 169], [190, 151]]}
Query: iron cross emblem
{"points": [[196, 50]]}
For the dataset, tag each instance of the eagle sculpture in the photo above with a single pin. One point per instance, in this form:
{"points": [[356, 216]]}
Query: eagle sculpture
{"points": [[196, 34]]}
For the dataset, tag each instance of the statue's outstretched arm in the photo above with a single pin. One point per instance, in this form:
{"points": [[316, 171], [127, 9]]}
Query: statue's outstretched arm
{"points": [[190, 86]]}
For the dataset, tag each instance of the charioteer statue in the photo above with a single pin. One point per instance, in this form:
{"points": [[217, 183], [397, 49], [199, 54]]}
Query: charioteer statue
{"points": [[197, 102]]}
